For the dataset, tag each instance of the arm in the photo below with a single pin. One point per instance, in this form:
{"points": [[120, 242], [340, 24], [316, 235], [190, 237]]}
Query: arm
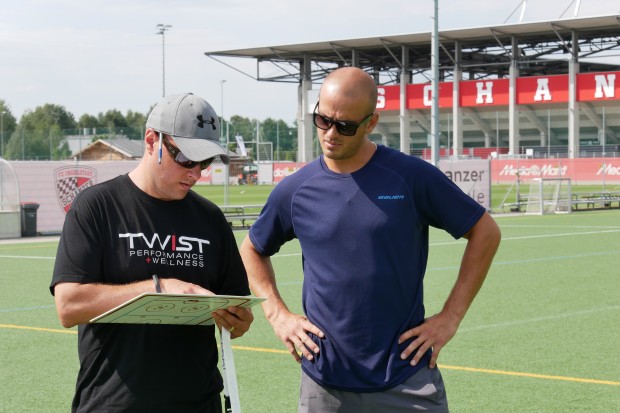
{"points": [[289, 327], [436, 331], [79, 303]]}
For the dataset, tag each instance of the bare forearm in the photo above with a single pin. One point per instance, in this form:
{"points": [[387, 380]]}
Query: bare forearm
{"points": [[261, 277], [436, 331], [79, 303], [292, 329], [483, 242]]}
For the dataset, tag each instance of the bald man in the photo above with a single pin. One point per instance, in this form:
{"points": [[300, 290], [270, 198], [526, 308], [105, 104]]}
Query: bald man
{"points": [[362, 213]]}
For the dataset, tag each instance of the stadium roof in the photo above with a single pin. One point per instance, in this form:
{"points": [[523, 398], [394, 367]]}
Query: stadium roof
{"points": [[544, 49], [535, 49]]}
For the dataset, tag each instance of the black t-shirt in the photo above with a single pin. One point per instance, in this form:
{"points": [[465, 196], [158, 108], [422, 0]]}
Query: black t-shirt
{"points": [[116, 234]]}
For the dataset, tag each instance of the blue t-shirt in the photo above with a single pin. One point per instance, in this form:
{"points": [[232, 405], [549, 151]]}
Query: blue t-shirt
{"points": [[364, 239]]}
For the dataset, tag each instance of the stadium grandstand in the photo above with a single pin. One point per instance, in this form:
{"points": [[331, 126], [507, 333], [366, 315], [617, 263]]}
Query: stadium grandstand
{"points": [[548, 89]]}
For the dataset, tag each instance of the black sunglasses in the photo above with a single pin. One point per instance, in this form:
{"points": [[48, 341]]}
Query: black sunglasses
{"points": [[344, 127], [184, 161]]}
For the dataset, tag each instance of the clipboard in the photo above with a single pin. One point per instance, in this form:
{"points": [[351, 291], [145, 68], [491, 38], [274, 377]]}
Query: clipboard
{"points": [[178, 309]]}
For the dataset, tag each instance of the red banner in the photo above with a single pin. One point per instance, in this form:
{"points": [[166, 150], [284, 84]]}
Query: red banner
{"points": [[492, 92], [388, 98], [495, 92], [580, 171], [421, 96], [598, 86], [542, 89]]}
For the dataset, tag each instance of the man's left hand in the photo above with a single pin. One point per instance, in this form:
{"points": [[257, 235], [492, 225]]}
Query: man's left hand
{"points": [[434, 333]]}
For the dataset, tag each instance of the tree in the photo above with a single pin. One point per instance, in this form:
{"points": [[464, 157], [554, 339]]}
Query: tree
{"points": [[240, 126], [136, 122], [112, 120], [88, 122], [8, 123], [39, 134], [131, 125], [270, 130], [282, 136]]}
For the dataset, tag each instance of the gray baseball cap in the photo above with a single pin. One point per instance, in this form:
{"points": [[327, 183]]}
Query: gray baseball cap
{"points": [[192, 123]]}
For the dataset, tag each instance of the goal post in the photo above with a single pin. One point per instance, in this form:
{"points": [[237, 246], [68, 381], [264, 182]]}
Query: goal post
{"points": [[549, 195]]}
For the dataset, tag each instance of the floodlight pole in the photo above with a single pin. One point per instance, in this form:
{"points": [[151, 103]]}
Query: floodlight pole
{"points": [[2, 133], [435, 88], [1, 156], [226, 167], [161, 29]]}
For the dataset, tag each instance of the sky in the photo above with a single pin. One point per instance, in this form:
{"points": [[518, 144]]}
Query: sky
{"points": [[91, 56]]}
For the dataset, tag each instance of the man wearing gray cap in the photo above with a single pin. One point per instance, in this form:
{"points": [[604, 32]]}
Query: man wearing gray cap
{"points": [[146, 231]]}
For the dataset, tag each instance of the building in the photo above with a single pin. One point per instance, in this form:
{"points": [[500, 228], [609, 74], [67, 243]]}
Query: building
{"points": [[548, 88], [116, 149]]}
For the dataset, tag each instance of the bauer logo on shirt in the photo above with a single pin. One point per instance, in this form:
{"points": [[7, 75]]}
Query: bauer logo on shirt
{"points": [[169, 250], [70, 181]]}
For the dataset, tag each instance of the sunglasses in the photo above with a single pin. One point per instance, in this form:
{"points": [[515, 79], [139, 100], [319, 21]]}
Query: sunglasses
{"points": [[344, 127], [179, 158]]}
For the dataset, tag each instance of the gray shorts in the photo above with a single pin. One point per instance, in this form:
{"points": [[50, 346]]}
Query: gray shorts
{"points": [[424, 391]]}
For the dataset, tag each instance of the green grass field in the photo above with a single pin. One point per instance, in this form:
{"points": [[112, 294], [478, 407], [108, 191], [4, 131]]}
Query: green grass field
{"points": [[256, 194], [542, 336]]}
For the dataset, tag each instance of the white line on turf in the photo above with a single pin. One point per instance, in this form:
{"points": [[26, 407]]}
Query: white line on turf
{"points": [[540, 319], [29, 257]]}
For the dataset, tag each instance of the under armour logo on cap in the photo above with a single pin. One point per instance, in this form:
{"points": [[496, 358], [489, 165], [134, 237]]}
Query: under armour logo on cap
{"points": [[201, 122], [185, 117]]}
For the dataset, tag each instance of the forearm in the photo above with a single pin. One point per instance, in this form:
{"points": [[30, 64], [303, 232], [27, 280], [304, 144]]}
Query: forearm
{"points": [[436, 331], [292, 329], [79, 303], [483, 242], [261, 277]]}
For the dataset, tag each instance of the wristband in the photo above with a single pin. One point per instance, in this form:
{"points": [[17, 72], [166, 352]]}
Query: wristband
{"points": [[157, 286]]}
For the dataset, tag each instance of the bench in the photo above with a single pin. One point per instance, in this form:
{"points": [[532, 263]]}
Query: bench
{"points": [[241, 216], [603, 199], [518, 206], [579, 202]]}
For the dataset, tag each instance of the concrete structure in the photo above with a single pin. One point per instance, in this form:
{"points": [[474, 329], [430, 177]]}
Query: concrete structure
{"points": [[111, 150], [471, 63]]}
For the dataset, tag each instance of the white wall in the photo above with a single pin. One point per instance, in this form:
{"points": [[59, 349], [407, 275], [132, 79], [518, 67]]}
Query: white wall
{"points": [[53, 185]]}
